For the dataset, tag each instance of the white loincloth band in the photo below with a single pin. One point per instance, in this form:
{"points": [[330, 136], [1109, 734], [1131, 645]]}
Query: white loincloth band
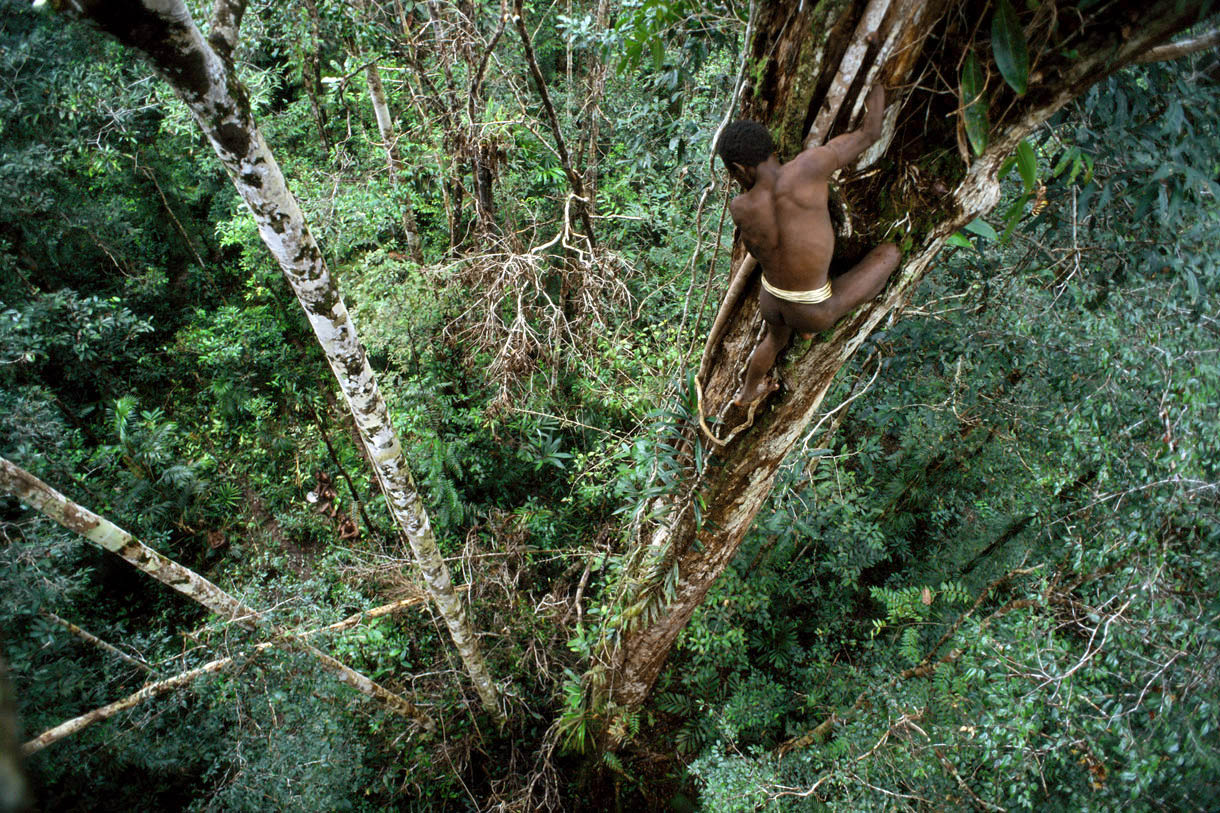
{"points": [[801, 297]]}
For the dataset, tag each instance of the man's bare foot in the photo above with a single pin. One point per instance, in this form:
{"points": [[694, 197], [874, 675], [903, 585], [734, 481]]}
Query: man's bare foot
{"points": [[762, 389], [807, 336]]}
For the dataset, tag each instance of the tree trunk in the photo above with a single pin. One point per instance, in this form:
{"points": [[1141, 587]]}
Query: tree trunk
{"points": [[203, 78], [814, 65], [385, 127], [389, 142]]}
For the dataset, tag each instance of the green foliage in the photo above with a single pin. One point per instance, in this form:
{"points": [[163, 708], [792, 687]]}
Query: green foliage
{"points": [[1042, 445]]}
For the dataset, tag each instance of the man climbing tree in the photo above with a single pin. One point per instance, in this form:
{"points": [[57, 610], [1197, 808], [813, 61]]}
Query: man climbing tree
{"points": [[804, 63], [785, 226]]}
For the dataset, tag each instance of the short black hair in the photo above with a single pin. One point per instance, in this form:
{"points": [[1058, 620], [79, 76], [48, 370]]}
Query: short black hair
{"points": [[745, 142]]}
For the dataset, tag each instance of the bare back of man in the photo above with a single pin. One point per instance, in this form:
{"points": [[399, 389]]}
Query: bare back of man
{"points": [[785, 225]]}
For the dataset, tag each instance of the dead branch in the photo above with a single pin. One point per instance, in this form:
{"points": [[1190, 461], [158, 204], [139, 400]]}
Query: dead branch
{"points": [[574, 178]]}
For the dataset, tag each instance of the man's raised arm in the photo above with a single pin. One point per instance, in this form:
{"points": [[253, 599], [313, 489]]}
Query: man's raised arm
{"points": [[848, 147]]}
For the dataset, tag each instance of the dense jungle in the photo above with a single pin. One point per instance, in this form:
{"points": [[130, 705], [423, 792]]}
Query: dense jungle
{"points": [[367, 438]]}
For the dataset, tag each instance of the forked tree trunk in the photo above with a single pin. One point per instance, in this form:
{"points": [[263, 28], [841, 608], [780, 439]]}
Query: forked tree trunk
{"points": [[200, 73], [799, 50]]}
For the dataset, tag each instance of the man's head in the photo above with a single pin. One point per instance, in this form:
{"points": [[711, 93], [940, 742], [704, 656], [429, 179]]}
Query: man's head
{"points": [[744, 145]]}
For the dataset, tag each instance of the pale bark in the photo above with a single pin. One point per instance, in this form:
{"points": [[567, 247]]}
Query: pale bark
{"points": [[801, 51], [38, 495], [1181, 48], [69, 727], [389, 140], [94, 641], [164, 31], [76, 724]]}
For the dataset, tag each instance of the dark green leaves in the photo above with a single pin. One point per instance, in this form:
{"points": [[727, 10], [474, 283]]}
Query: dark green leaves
{"points": [[1008, 43], [974, 104]]}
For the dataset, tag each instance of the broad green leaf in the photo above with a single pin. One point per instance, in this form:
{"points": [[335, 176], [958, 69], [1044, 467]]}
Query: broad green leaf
{"points": [[974, 104], [1013, 216], [982, 228], [1027, 163], [958, 239], [1006, 167], [1008, 43]]}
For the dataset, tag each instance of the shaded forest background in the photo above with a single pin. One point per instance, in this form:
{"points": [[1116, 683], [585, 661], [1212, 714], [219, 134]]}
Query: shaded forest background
{"points": [[986, 578]]}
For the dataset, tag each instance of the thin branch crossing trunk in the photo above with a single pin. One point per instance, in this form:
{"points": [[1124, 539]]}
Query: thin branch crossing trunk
{"points": [[164, 31]]}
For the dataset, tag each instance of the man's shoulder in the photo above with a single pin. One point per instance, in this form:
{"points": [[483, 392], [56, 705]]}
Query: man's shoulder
{"points": [[815, 162]]}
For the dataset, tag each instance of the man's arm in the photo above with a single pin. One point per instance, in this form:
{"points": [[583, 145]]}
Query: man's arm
{"points": [[845, 149]]}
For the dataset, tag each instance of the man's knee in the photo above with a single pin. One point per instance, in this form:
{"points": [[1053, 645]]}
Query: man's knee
{"points": [[888, 255]]}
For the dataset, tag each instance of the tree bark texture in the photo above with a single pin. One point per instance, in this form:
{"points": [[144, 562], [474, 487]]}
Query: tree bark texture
{"points": [[810, 65], [165, 32], [40, 496]]}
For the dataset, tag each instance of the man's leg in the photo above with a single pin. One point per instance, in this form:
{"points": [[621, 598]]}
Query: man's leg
{"points": [[757, 383], [864, 281]]}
